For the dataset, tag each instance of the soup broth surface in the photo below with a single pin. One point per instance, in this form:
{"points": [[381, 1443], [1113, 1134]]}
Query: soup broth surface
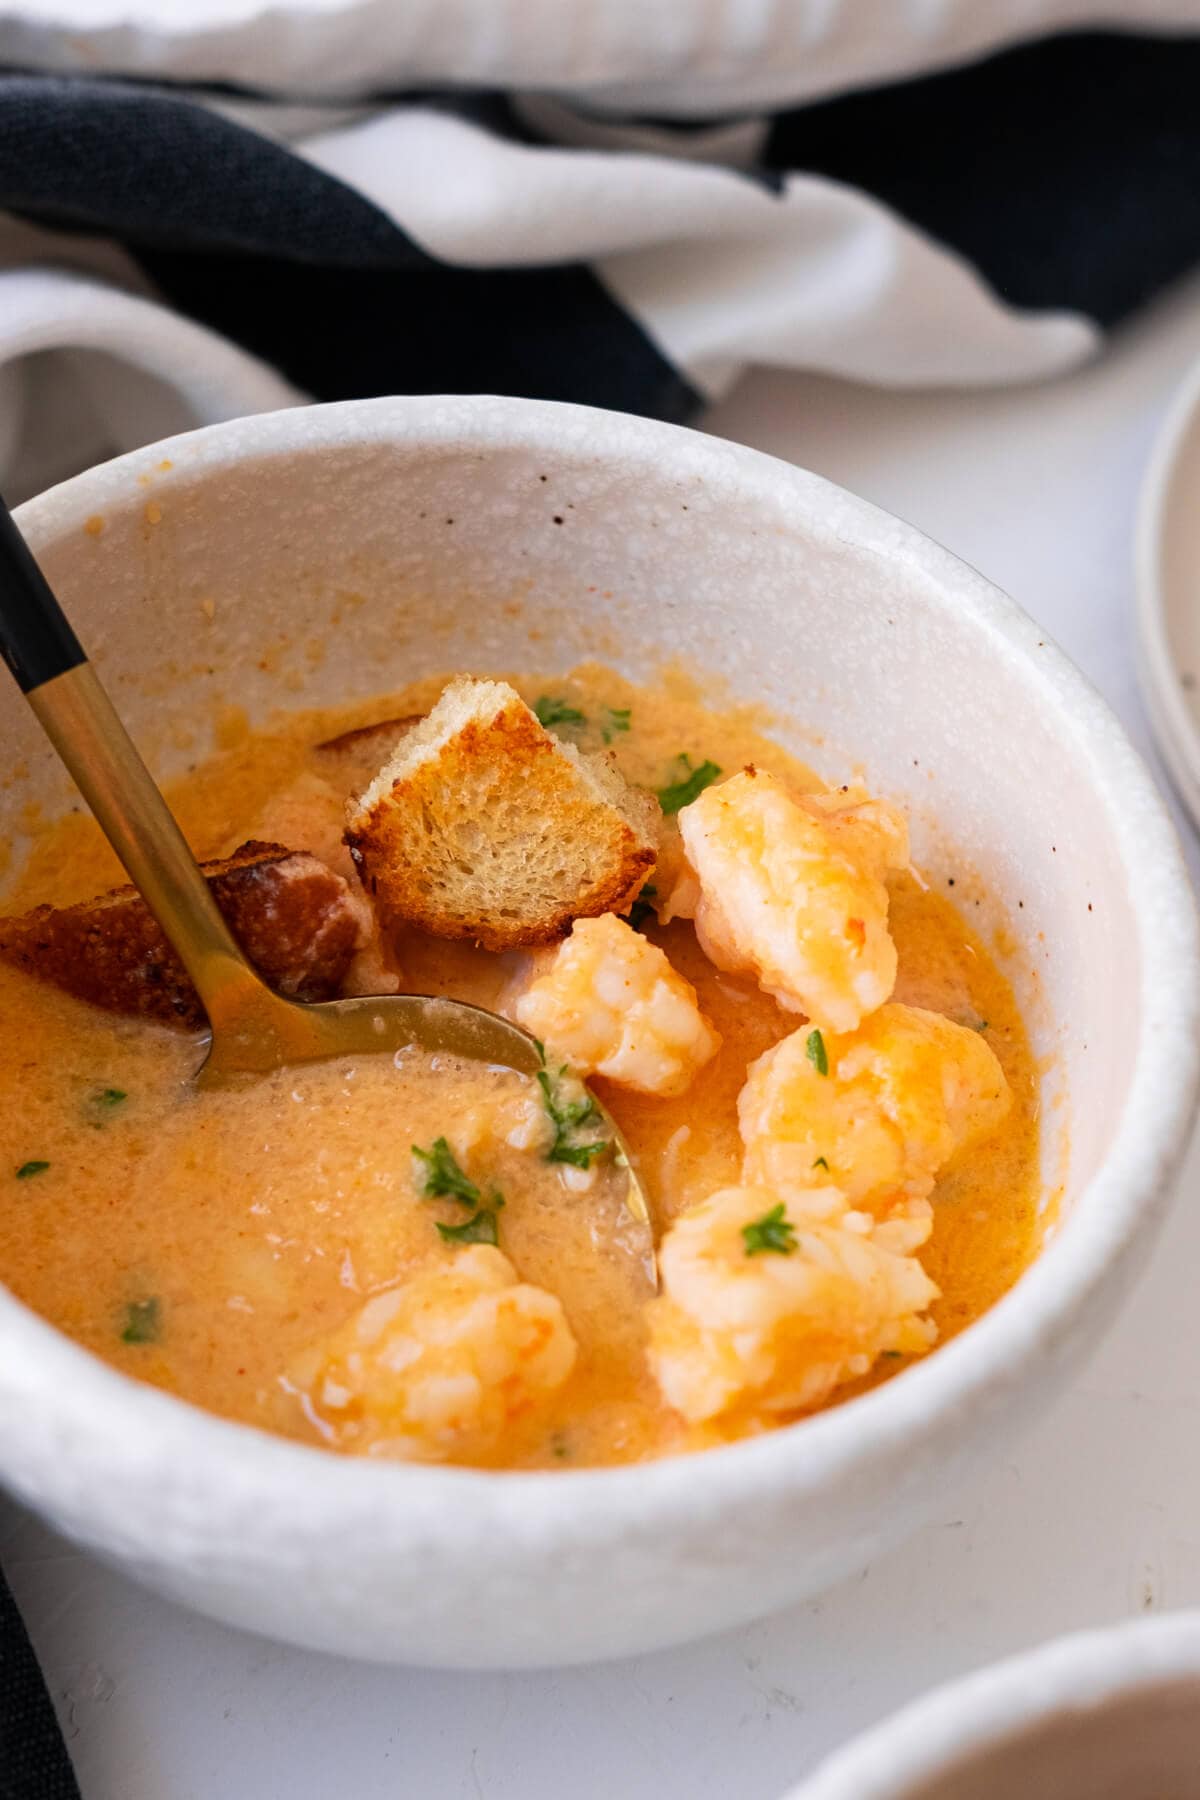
{"points": [[202, 1241]]}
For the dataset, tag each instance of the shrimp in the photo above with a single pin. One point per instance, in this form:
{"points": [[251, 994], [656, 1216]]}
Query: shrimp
{"points": [[611, 1004], [792, 890], [878, 1111], [764, 1310], [439, 1368]]}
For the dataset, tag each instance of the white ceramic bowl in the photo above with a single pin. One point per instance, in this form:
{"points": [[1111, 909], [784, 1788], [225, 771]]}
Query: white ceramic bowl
{"points": [[331, 552], [1105, 1715]]}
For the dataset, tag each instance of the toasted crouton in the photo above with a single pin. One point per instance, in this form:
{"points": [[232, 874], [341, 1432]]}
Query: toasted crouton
{"points": [[484, 826], [295, 919], [354, 758]]}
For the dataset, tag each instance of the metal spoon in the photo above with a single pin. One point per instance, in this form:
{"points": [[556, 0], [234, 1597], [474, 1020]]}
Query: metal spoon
{"points": [[254, 1030]]}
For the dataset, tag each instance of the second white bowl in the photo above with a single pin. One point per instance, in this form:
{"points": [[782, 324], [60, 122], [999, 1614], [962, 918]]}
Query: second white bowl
{"points": [[1105, 1715]]}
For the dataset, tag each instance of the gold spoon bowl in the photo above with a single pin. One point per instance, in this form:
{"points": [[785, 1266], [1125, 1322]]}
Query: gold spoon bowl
{"points": [[254, 1029]]}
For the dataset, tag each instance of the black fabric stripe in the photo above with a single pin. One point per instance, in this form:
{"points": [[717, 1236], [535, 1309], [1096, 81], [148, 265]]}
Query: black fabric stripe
{"points": [[545, 334], [132, 163], [292, 264], [490, 108], [33, 1759], [1067, 171]]}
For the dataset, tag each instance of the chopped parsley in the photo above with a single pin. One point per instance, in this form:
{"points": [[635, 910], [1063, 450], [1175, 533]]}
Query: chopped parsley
{"points": [[567, 1118], [982, 1025], [559, 1446], [689, 783], [641, 909], [29, 1169], [552, 709], [814, 1049], [772, 1233], [479, 1229], [444, 1180], [142, 1321], [616, 720], [820, 1163], [102, 1103]]}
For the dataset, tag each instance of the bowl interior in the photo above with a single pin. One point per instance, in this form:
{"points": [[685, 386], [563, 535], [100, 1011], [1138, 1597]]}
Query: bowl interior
{"points": [[1143, 1745]]}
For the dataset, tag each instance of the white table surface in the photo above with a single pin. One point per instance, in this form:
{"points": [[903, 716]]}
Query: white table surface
{"points": [[1096, 1516]]}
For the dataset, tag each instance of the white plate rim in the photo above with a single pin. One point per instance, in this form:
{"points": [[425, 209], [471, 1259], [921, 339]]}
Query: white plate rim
{"points": [[1176, 733]]}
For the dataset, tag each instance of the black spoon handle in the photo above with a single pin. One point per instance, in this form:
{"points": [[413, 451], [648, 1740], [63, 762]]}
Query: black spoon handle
{"points": [[36, 641]]}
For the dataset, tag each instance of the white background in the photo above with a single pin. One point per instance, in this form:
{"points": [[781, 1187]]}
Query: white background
{"points": [[1095, 1518]]}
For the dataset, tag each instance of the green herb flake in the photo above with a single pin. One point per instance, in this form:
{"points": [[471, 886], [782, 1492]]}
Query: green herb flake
{"points": [[773, 1233], [820, 1163], [580, 1156], [143, 1321], [479, 1229], [102, 1103], [567, 1119], [814, 1049], [981, 1025], [616, 719], [552, 709], [893, 1353], [688, 785], [559, 1447], [642, 908], [444, 1180], [29, 1169]]}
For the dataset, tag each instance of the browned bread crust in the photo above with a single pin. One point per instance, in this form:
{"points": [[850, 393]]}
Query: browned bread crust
{"points": [[354, 758], [483, 826], [294, 918]]}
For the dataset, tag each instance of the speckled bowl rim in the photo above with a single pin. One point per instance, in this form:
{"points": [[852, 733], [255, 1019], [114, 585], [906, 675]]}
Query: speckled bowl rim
{"points": [[640, 1502], [986, 1709]]}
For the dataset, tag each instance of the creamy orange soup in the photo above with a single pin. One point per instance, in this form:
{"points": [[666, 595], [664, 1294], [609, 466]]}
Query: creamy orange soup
{"points": [[206, 1242]]}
